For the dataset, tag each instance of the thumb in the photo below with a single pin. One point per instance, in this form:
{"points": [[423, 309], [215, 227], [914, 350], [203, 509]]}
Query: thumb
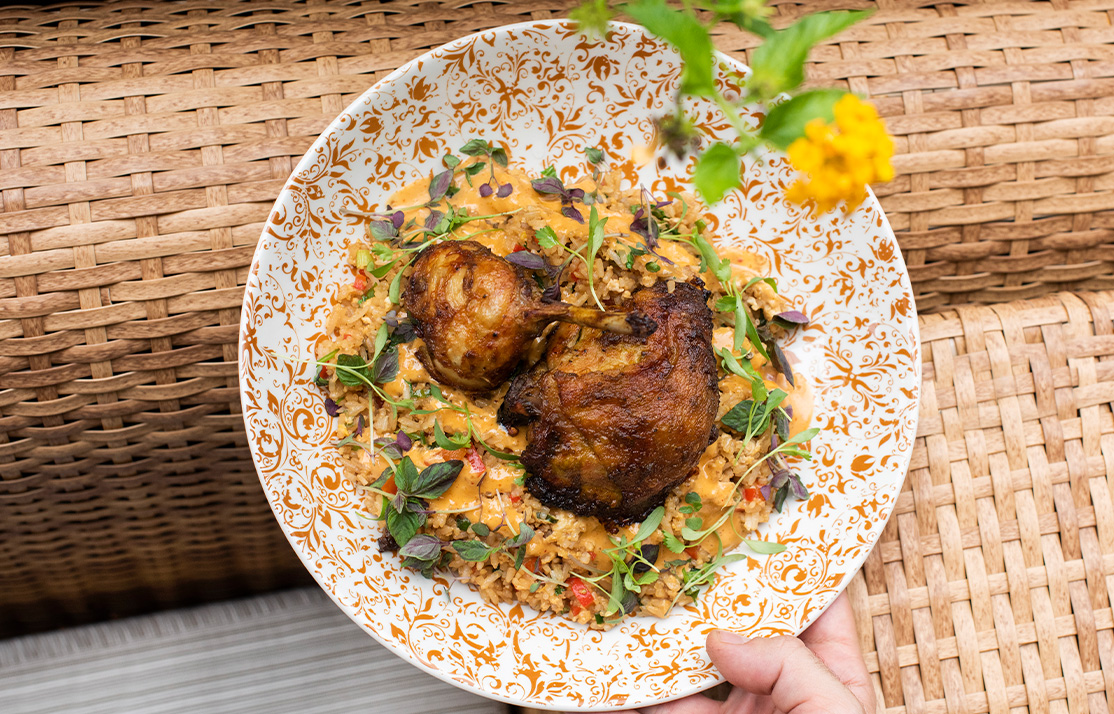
{"points": [[784, 669]]}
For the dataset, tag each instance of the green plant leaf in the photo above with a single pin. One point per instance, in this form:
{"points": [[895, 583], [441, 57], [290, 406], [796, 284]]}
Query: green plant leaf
{"points": [[785, 123], [685, 32], [764, 547], [649, 525], [472, 550], [403, 526], [352, 371], [717, 172], [778, 65], [456, 441], [435, 479]]}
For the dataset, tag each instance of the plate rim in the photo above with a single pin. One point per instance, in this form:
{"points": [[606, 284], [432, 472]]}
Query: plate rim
{"points": [[252, 284]]}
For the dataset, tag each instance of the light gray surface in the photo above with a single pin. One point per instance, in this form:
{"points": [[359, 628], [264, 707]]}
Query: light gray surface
{"points": [[286, 652]]}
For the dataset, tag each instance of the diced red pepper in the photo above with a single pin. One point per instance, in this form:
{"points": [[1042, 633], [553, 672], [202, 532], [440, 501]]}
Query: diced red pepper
{"points": [[389, 485], [323, 375], [581, 592], [693, 552], [515, 498], [518, 247], [360, 283], [752, 493], [475, 460]]}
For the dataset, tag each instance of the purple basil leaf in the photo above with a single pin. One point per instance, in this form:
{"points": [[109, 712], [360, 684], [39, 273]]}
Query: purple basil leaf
{"points": [[486, 190], [360, 425], [397, 218], [779, 471], [331, 407], [399, 501], [570, 212], [553, 292], [792, 317], [504, 190], [639, 214], [382, 231], [391, 318], [662, 204], [391, 451], [782, 363], [766, 491], [439, 185], [404, 441], [528, 260], [433, 219], [422, 547], [797, 487], [549, 185], [788, 410], [576, 194], [383, 441], [405, 332]]}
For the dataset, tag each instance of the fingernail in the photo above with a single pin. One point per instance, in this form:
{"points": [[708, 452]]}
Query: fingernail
{"points": [[728, 638]]}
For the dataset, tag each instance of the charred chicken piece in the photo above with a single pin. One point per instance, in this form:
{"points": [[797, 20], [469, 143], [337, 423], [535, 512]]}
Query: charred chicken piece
{"points": [[616, 421], [478, 314]]}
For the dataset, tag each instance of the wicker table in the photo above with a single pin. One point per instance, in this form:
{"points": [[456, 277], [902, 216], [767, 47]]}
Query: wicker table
{"points": [[141, 148]]}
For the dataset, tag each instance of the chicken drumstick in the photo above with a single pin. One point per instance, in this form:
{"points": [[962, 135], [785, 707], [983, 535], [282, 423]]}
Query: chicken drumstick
{"points": [[477, 314]]}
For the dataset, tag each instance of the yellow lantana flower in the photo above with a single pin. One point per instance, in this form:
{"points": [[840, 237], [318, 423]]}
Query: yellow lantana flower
{"points": [[841, 158]]}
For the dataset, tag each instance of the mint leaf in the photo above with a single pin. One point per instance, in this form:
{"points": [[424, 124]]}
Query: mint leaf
{"points": [[717, 172], [785, 123]]}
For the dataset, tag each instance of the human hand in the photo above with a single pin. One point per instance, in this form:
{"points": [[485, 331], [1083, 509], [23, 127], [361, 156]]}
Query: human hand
{"points": [[821, 672]]}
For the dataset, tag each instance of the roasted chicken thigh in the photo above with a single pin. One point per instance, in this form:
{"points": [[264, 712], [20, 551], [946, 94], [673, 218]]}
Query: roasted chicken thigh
{"points": [[616, 421], [477, 314]]}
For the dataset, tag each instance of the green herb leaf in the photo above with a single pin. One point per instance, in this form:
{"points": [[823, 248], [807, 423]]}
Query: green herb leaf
{"points": [[352, 371], [499, 156], [481, 529], [382, 270], [717, 172], [472, 550], [785, 123], [649, 525], [595, 155], [685, 32], [778, 63], [754, 281], [720, 268], [547, 237], [406, 474], [456, 441], [764, 547], [595, 240], [435, 479], [396, 286], [403, 526], [475, 168], [525, 533], [673, 543], [451, 161], [475, 147]]}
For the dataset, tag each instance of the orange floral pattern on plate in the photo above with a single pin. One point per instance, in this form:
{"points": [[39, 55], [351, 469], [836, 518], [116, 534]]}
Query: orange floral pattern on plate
{"points": [[545, 92]]}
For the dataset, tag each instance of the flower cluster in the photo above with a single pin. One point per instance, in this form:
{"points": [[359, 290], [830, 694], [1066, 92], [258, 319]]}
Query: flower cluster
{"points": [[841, 158]]}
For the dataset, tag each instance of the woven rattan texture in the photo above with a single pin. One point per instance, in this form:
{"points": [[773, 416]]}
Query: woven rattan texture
{"points": [[142, 143], [991, 587]]}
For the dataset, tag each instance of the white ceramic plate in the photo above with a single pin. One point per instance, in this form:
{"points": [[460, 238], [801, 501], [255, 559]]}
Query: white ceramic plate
{"points": [[544, 92]]}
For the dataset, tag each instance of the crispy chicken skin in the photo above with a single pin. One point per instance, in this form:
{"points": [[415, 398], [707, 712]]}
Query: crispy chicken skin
{"points": [[617, 421], [477, 314]]}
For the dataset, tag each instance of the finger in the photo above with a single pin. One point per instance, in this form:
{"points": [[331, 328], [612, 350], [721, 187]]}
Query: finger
{"points": [[834, 640], [783, 668], [696, 704]]}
